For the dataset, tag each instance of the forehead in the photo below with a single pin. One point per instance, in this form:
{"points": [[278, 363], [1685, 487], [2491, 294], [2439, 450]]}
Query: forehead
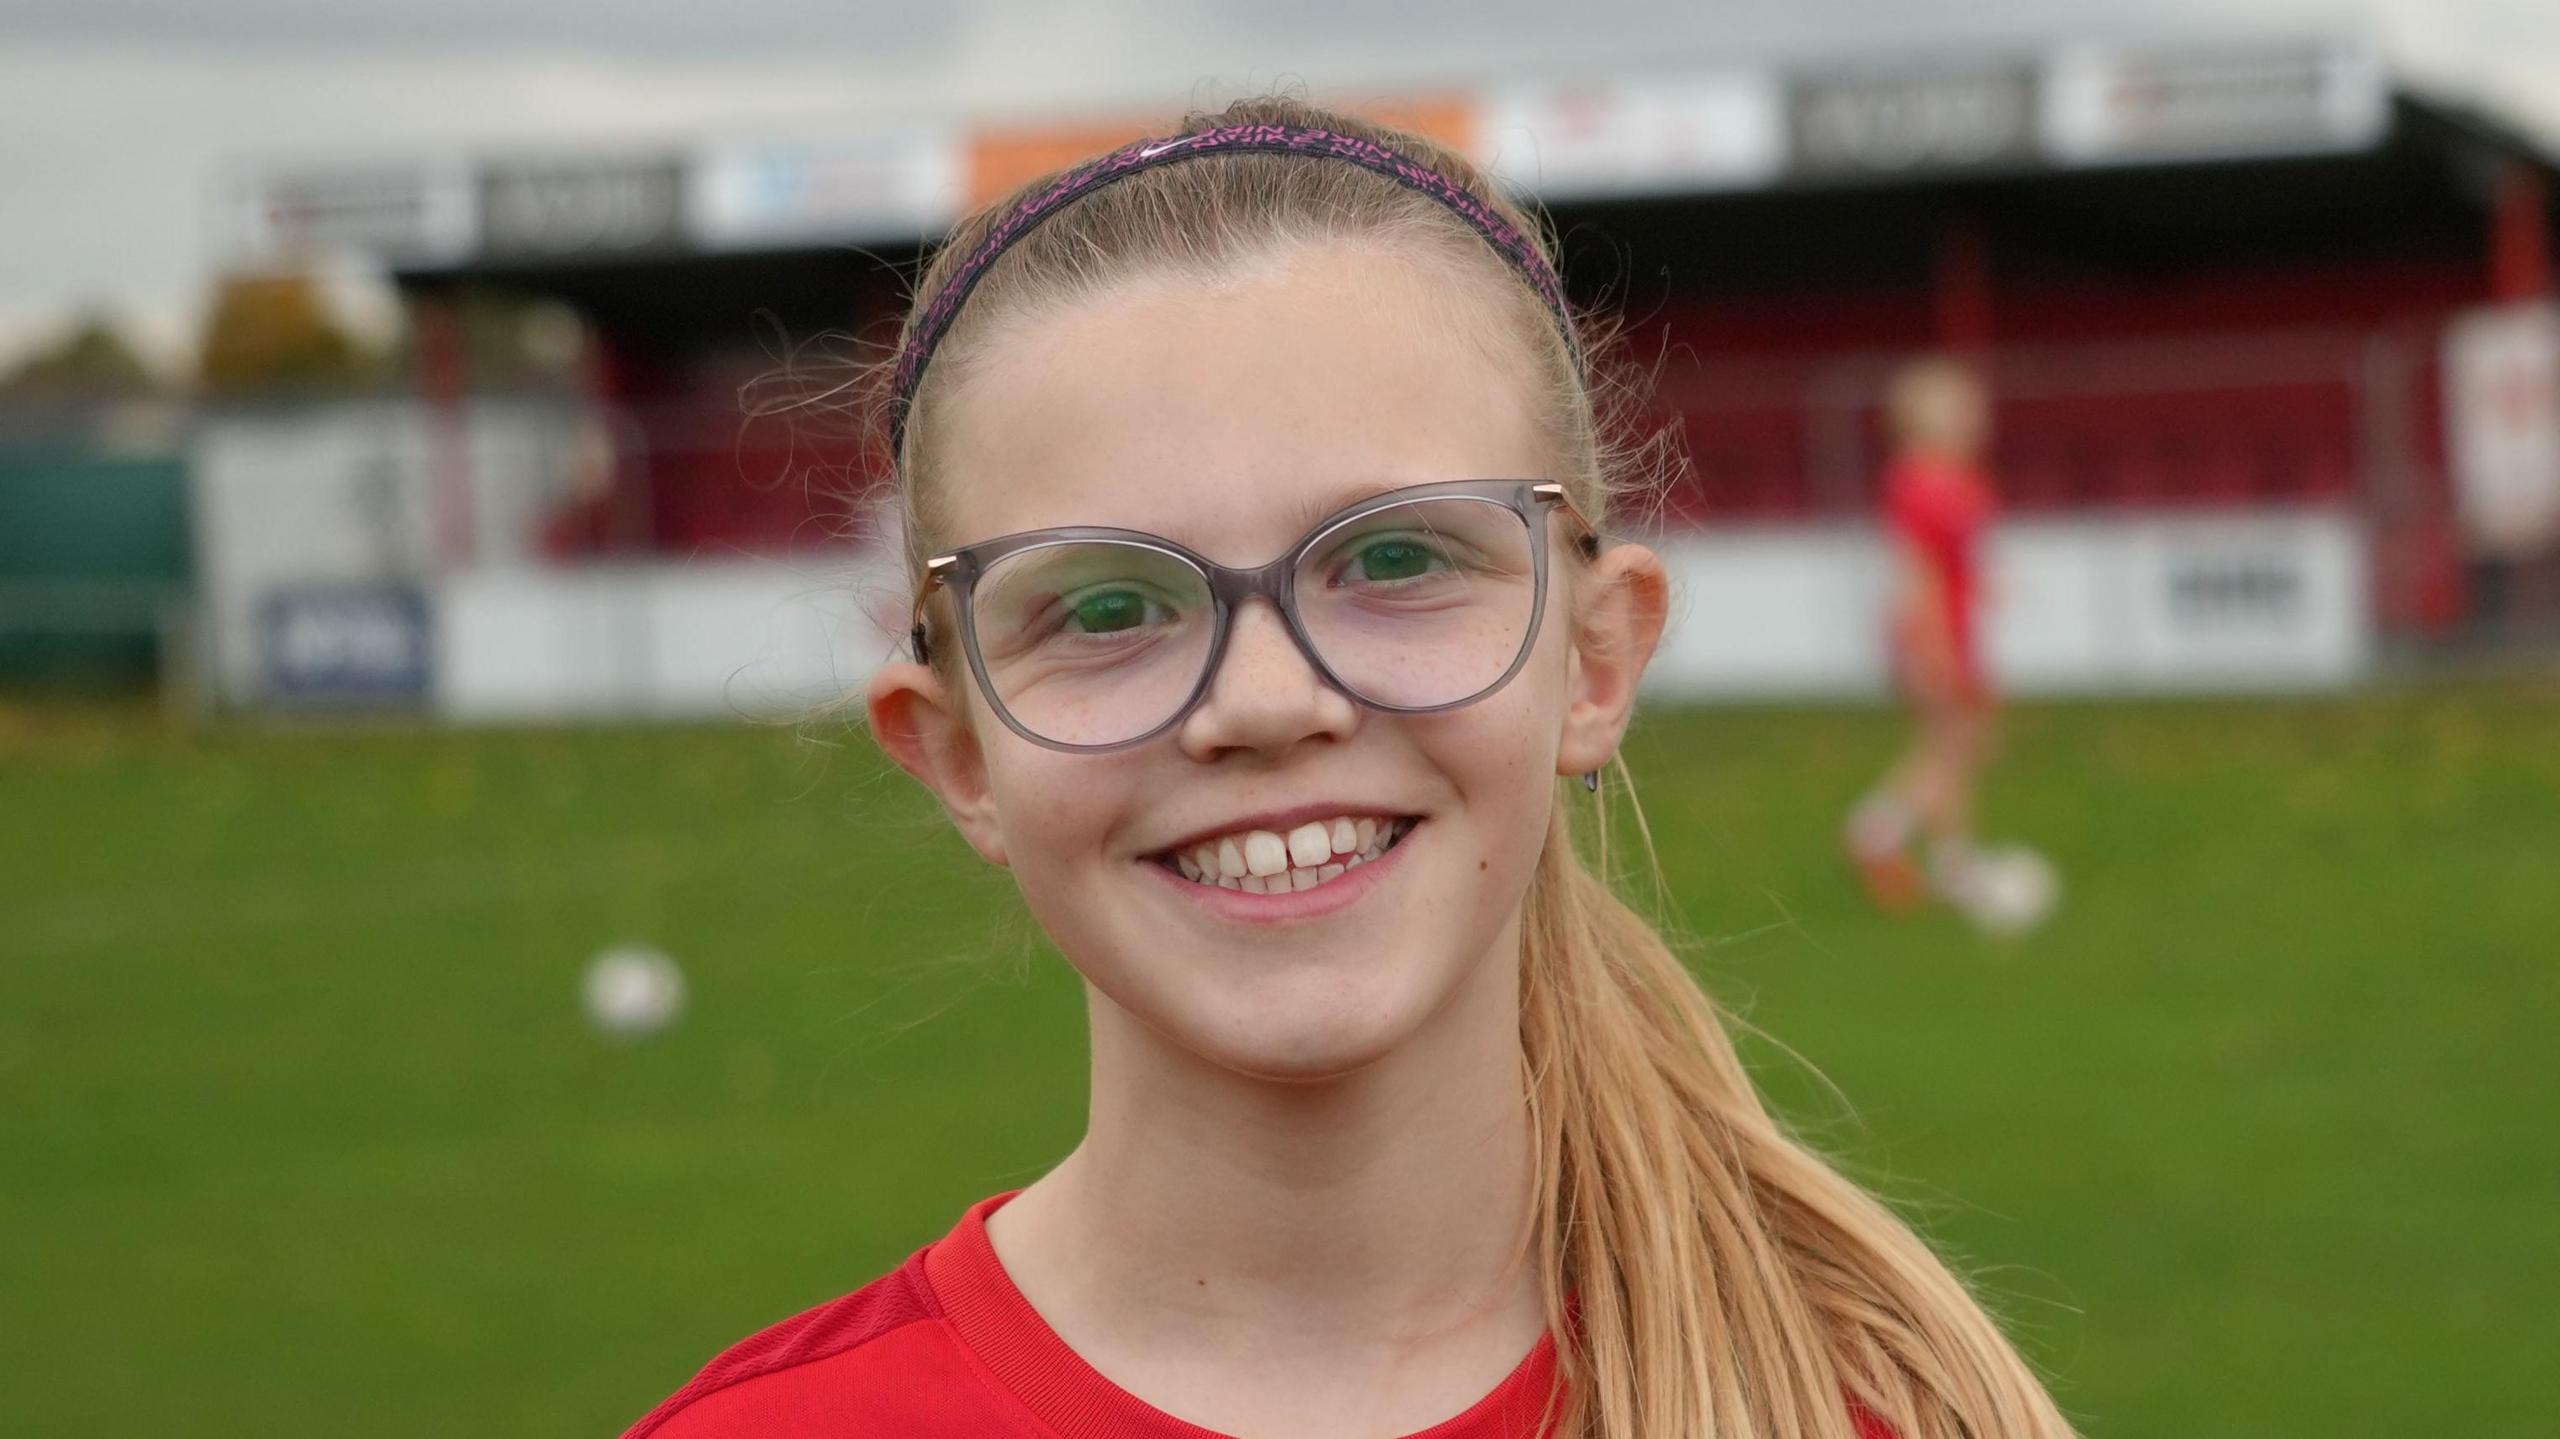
{"points": [[1230, 416]]}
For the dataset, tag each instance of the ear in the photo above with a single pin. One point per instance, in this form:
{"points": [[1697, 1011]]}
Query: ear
{"points": [[1625, 600], [924, 726]]}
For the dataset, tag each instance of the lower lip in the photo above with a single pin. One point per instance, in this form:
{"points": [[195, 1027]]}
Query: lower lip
{"points": [[1336, 893]]}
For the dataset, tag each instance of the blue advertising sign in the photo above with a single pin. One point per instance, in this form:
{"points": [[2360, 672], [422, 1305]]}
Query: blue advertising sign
{"points": [[349, 644]]}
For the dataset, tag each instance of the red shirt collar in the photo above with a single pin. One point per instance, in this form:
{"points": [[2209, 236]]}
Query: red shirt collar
{"points": [[1072, 1397]]}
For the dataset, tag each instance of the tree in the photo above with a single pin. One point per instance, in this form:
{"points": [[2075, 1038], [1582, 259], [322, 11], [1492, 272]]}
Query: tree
{"points": [[275, 330], [91, 360]]}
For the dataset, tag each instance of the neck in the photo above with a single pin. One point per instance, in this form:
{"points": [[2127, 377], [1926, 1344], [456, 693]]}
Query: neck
{"points": [[1382, 1206]]}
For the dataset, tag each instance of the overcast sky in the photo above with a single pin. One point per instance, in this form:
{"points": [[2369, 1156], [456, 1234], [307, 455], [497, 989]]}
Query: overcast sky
{"points": [[117, 115]]}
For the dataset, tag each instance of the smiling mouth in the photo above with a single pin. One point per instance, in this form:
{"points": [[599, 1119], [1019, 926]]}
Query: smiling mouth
{"points": [[1261, 861]]}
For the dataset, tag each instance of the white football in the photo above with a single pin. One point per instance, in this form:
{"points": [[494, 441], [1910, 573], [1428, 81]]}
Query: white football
{"points": [[2011, 890], [632, 991]]}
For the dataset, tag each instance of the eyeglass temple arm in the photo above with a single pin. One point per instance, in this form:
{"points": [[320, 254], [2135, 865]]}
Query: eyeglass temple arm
{"points": [[934, 571], [1589, 542]]}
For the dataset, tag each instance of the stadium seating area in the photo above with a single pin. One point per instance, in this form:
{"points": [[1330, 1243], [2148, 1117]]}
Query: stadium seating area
{"points": [[2241, 444], [692, 478], [1776, 405]]}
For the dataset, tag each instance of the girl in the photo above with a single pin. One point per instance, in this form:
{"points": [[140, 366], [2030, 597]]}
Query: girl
{"points": [[1250, 479], [1938, 502]]}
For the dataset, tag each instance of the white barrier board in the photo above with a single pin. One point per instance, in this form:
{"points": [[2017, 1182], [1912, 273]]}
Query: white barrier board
{"points": [[736, 637], [2268, 600], [319, 586]]}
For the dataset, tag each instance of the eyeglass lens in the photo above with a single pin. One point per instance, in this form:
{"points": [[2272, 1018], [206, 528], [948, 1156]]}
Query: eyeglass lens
{"points": [[1411, 606]]}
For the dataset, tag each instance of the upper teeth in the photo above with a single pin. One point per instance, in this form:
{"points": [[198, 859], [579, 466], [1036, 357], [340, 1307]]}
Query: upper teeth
{"points": [[1260, 861]]}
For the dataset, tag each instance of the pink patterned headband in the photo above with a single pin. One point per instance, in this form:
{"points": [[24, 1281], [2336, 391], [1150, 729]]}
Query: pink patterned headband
{"points": [[1230, 140]]}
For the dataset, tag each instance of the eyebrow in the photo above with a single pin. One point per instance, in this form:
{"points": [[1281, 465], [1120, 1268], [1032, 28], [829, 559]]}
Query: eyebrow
{"points": [[1308, 513]]}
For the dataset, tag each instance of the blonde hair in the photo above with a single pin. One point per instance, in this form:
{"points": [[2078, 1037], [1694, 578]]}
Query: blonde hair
{"points": [[1704, 1273]]}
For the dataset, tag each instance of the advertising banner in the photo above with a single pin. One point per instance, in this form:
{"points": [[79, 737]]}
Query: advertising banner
{"points": [[885, 187], [583, 208], [425, 213], [2108, 105], [347, 645], [2268, 600], [1662, 135], [2502, 421], [1934, 120]]}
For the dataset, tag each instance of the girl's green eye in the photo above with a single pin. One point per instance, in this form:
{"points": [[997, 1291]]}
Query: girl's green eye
{"points": [[1107, 611], [1394, 560]]}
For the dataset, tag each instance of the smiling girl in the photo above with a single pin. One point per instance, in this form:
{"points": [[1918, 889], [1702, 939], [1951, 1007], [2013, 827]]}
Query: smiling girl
{"points": [[1267, 631]]}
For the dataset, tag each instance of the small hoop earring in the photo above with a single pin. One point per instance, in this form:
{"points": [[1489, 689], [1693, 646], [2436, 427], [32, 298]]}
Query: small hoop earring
{"points": [[1591, 781]]}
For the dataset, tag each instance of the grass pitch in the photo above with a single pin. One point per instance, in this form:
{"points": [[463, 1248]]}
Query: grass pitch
{"points": [[301, 1131]]}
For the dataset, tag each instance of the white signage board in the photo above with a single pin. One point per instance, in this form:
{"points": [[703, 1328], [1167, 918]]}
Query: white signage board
{"points": [[2267, 600], [1775, 611], [2502, 416], [421, 213], [2271, 600], [2112, 105], [891, 186], [1599, 138], [701, 639]]}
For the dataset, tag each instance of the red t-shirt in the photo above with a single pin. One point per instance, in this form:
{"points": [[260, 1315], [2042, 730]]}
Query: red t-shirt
{"points": [[1940, 508], [944, 1347]]}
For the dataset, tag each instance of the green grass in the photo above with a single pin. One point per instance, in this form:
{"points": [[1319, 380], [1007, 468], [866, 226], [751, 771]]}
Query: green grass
{"points": [[301, 1132]]}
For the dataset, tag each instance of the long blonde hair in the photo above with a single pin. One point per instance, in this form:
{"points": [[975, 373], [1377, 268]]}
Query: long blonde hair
{"points": [[1705, 1274]]}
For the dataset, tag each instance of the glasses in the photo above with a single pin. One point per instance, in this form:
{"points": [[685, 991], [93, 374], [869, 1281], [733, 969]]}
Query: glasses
{"points": [[1419, 599]]}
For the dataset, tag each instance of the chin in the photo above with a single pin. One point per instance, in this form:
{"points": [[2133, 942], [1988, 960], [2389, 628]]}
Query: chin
{"points": [[1319, 1058], [1301, 1038], [1314, 1057]]}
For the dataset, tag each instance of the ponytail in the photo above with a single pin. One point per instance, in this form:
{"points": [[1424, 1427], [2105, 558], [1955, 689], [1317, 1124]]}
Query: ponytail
{"points": [[1715, 1276]]}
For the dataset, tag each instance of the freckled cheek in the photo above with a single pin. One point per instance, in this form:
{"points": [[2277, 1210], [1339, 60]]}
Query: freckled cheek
{"points": [[1056, 816], [1504, 761], [1505, 744], [1501, 756]]}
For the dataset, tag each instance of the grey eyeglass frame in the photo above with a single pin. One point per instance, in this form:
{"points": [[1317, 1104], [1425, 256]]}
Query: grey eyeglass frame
{"points": [[959, 571]]}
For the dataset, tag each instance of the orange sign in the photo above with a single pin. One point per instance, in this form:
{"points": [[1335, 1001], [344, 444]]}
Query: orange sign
{"points": [[1449, 120], [1003, 160]]}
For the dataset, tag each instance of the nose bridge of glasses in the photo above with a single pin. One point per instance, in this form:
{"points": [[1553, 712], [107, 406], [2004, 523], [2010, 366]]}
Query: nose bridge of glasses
{"points": [[1233, 586], [1236, 590]]}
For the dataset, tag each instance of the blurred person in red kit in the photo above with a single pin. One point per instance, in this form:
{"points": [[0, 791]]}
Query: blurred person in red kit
{"points": [[1938, 503]]}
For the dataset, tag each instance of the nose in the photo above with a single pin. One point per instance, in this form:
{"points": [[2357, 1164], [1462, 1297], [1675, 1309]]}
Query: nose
{"points": [[1266, 694]]}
